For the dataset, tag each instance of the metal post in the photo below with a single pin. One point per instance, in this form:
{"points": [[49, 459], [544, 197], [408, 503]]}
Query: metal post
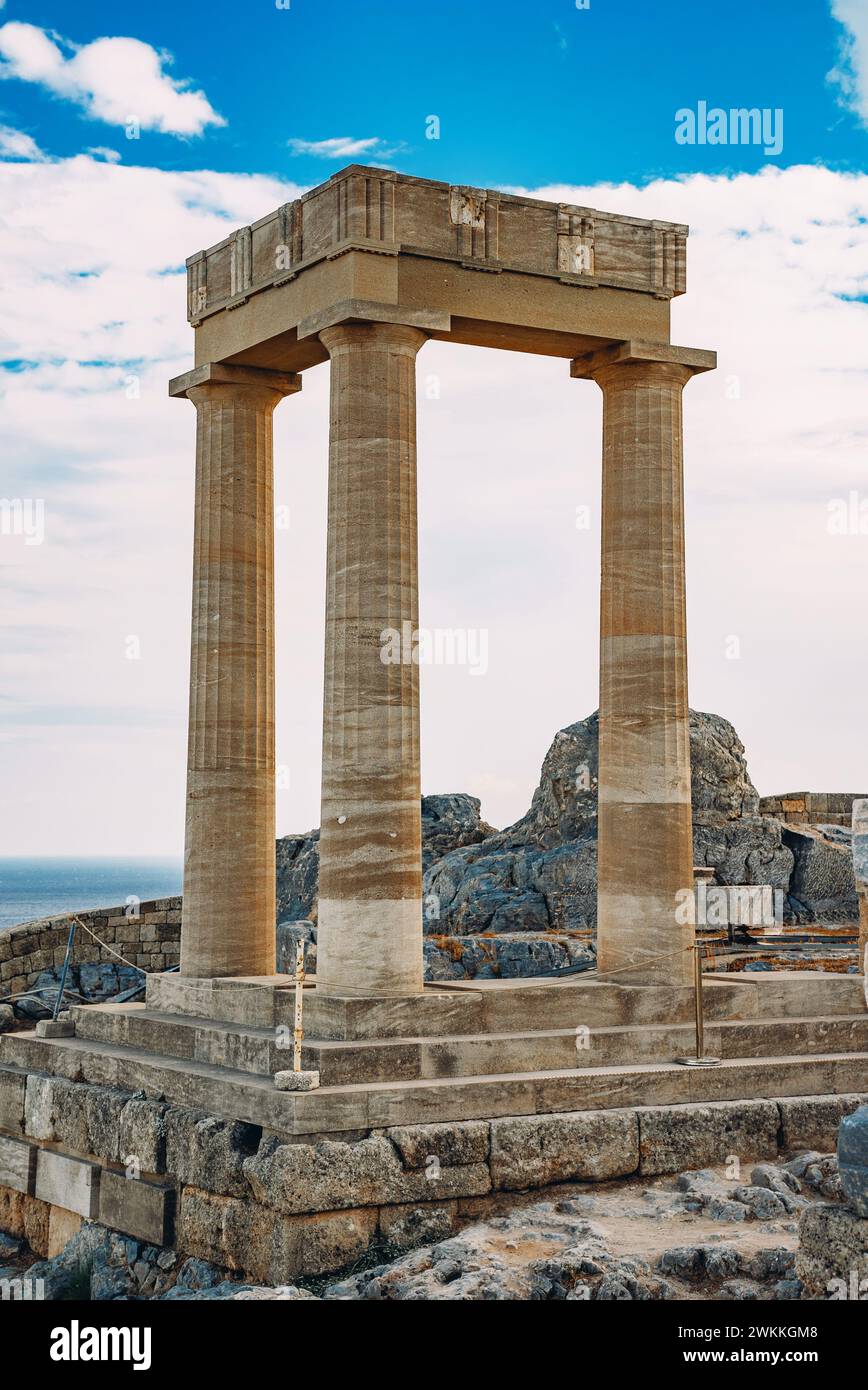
{"points": [[298, 1035], [698, 1002], [63, 974], [700, 1060]]}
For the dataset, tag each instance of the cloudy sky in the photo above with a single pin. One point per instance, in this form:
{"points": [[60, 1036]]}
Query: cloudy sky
{"points": [[133, 136]]}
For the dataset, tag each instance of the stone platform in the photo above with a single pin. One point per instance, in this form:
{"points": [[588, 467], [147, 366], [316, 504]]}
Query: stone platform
{"points": [[163, 1121], [464, 1051]]}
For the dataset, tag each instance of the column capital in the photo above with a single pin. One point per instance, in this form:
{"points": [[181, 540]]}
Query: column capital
{"points": [[368, 311], [634, 352], [231, 374], [373, 337]]}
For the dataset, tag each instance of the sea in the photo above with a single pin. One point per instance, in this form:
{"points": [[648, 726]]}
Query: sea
{"points": [[37, 887]]}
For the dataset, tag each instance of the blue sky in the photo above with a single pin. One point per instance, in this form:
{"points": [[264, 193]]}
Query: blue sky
{"points": [[526, 93], [240, 108]]}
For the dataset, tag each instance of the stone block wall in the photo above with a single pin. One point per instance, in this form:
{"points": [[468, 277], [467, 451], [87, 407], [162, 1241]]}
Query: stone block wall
{"points": [[811, 808], [149, 938], [275, 1210]]}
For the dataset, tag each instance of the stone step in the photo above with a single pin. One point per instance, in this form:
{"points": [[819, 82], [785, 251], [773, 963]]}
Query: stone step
{"points": [[344, 1063], [263, 1051], [513, 1006], [503, 1006], [236, 1046], [362, 1107]]}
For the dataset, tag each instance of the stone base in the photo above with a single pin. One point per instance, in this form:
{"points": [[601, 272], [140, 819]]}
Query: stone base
{"points": [[296, 1080], [55, 1028], [168, 1111], [228, 1193]]}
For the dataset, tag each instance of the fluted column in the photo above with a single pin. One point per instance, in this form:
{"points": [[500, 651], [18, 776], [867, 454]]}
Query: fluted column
{"points": [[370, 874], [645, 851], [228, 925]]}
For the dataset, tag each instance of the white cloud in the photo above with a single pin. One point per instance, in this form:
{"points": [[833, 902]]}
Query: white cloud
{"points": [[115, 80], [339, 147], [507, 451], [104, 152], [851, 74], [16, 144]]}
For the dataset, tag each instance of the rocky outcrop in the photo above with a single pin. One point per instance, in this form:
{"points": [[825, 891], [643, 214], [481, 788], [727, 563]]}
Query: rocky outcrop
{"points": [[822, 886], [448, 822], [541, 873], [522, 901]]}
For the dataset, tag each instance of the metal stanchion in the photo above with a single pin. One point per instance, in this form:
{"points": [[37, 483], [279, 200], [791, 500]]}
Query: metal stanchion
{"points": [[700, 1060], [298, 1033], [65, 971], [298, 1079], [57, 1027]]}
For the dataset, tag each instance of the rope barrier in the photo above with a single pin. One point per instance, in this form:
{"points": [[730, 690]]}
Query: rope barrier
{"points": [[715, 951], [107, 947]]}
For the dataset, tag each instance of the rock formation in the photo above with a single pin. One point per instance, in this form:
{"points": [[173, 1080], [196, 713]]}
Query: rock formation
{"points": [[447, 823], [510, 902]]}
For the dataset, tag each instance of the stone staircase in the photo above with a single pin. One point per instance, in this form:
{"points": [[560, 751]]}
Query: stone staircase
{"points": [[474, 1050]]}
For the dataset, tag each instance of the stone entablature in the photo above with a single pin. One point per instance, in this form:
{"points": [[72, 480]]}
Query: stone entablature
{"points": [[369, 209]]}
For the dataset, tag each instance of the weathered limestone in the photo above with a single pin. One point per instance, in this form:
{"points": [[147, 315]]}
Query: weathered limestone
{"points": [[66, 1182], [251, 1200], [370, 903], [537, 1150], [17, 1165], [229, 856], [645, 854], [812, 1122], [362, 270], [860, 870], [832, 1261], [268, 1246], [25, 1216], [298, 1178], [704, 1136], [137, 1207], [13, 1090], [63, 1225]]}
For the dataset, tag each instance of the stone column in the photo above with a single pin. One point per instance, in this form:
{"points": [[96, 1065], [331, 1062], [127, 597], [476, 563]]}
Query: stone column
{"points": [[370, 872], [645, 851], [228, 925]]}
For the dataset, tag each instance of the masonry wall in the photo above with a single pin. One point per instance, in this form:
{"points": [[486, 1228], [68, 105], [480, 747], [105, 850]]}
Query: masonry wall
{"points": [[811, 808], [276, 1210], [149, 938]]}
